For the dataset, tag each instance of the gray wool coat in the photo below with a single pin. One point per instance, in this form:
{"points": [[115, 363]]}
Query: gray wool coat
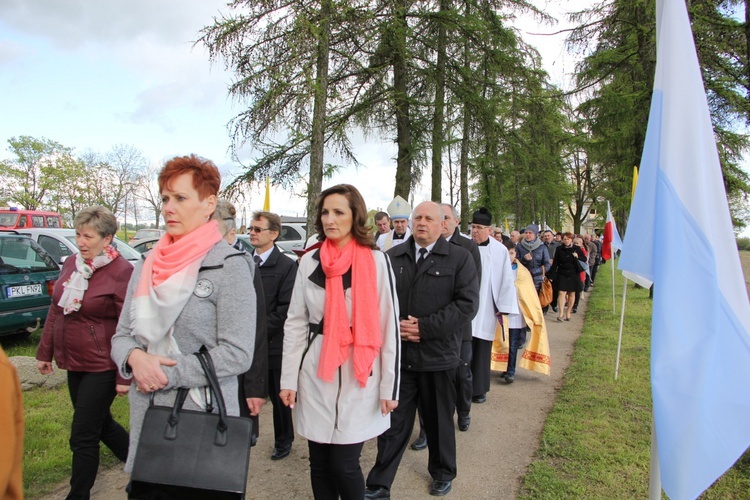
{"points": [[220, 315]]}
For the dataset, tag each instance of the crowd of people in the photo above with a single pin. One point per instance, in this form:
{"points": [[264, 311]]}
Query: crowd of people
{"points": [[361, 336]]}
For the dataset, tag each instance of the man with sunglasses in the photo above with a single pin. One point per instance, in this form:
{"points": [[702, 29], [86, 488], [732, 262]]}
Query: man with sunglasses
{"points": [[277, 272]]}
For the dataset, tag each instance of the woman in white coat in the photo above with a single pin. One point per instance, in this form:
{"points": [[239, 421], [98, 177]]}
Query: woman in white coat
{"points": [[341, 345]]}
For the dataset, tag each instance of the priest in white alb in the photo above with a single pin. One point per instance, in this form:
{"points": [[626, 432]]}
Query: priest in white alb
{"points": [[399, 211], [497, 296]]}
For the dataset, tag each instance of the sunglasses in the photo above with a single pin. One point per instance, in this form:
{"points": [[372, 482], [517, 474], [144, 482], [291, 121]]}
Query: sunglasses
{"points": [[258, 229]]}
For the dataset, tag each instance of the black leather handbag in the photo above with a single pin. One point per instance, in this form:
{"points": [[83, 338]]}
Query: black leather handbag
{"points": [[189, 454]]}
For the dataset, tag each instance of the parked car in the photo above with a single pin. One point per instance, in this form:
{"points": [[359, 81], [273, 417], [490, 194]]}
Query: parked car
{"points": [[292, 233], [61, 243], [147, 244], [14, 218], [245, 241], [143, 234], [27, 277], [144, 245]]}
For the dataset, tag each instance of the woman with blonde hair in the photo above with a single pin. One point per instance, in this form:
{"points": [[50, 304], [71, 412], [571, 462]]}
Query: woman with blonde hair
{"points": [[86, 304]]}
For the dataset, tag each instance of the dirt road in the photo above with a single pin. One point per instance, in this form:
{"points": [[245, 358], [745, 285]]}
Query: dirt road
{"points": [[492, 456]]}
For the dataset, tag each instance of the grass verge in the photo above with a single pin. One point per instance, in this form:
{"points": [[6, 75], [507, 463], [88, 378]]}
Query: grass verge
{"points": [[48, 413], [596, 441], [47, 457]]}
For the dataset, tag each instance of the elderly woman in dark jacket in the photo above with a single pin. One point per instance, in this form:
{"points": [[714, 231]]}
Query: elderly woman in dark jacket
{"points": [[533, 254], [86, 303]]}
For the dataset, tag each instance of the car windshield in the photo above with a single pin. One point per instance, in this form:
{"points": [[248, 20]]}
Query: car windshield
{"points": [[8, 220], [23, 255], [128, 252], [147, 233]]}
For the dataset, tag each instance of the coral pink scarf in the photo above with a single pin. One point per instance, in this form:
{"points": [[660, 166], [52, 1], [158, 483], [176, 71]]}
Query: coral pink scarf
{"points": [[167, 281], [364, 334]]}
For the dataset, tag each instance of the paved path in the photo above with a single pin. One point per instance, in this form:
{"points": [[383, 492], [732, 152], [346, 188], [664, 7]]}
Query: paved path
{"points": [[492, 456]]}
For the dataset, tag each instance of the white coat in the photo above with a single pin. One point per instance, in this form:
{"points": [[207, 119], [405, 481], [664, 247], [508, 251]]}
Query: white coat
{"points": [[497, 291], [339, 412]]}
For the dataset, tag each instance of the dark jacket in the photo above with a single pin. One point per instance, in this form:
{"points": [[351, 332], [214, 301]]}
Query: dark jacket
{"points": [[565, 264], [254, 382], [277, 274], [551, 248], [82, 340], [473, 249], [273, 286], [539, 263], [443, 294]]}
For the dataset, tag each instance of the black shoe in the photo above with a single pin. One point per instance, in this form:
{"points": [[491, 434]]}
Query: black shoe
{"points": [[575, 310], [463, 423], [253, 440], [479, 399], [280, 452], [502, 374], [377, 492], [554, 308], [509, 379], [418, 444], [439, 488]]}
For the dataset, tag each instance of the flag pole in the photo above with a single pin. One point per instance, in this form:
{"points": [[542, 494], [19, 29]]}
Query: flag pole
{"points": [[613, 286], [654, 480], [622, 321]]}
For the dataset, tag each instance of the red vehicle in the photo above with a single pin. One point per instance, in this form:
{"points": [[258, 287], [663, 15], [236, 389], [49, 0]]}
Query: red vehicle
{"points": [[16, 218]]}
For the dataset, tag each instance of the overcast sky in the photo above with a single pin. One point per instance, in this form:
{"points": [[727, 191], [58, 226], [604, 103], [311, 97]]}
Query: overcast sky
{"points": [[90, 74]]}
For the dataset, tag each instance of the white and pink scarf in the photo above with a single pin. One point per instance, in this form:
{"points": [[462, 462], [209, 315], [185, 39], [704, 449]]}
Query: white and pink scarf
{"points": [[167, 281], [75, 287]]}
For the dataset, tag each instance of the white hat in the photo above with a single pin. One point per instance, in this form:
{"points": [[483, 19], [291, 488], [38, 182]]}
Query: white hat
{"points": [[399, 208]]}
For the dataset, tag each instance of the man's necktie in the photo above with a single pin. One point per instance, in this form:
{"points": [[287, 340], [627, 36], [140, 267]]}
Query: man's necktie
{"points": [[422, 257], [257, 259]]}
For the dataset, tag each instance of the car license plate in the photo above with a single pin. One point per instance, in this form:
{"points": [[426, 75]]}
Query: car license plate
{"points": [[23, 290]]}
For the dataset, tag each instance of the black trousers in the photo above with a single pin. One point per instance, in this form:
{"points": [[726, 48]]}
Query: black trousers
{"points": [[435, 395], [335, 471], [245, 410], [92, 395], [480, 365], [464, 380], [464, 385], [555, 291], [283, 425], [594, 270]]}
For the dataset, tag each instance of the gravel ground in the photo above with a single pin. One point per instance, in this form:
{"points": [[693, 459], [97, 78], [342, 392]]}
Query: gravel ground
{"points": [[492, 456]]}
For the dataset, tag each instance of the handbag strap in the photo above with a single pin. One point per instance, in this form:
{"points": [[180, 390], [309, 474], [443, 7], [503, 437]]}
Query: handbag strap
{"points": [[213, 381]]}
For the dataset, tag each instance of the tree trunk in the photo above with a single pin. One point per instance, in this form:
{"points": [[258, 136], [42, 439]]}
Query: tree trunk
{"points": [[438, 115], [317, 139], [401, 101], [125, 218], [747, 45]]}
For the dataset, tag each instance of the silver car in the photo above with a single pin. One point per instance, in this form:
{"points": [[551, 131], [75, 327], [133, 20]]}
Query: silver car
{"points": [[61, 243]]}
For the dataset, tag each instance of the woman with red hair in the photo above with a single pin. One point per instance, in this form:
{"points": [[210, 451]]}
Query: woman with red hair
{"points": [[341, 345], [184, 296]]}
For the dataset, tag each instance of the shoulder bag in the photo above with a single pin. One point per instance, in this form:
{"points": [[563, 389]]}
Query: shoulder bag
{"points": [[189, 454], [545, 290]]}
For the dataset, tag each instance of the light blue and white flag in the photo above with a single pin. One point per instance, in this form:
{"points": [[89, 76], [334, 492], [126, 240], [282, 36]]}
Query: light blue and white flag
{"points": [[679, 236]]}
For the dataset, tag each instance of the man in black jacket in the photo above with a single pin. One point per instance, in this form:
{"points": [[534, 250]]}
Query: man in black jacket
{"points": [[438, 292], [277, 273], [464, 385]]}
